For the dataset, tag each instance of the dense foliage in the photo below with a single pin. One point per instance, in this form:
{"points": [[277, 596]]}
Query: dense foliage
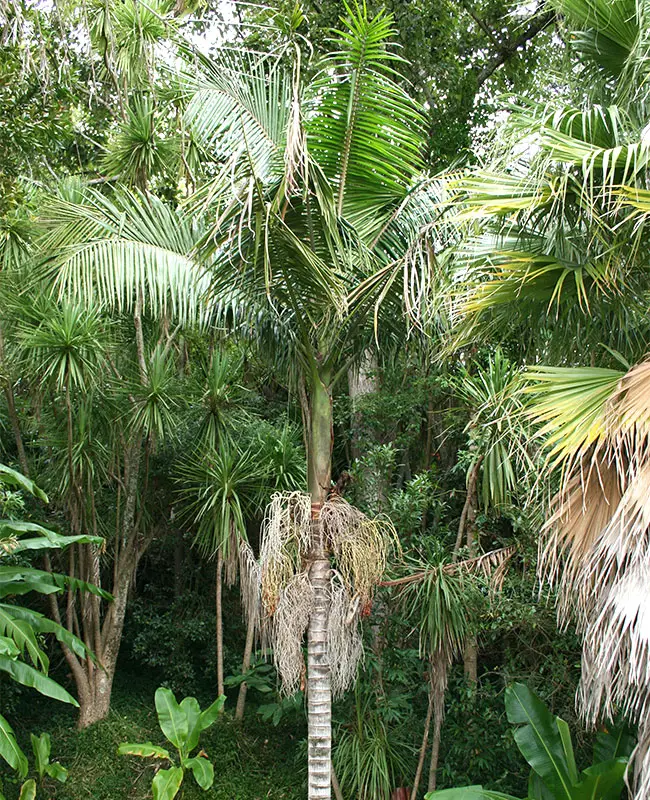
{"points": [[322, 325]]}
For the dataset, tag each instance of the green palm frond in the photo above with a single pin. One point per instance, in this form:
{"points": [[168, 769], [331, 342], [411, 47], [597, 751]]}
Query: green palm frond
{"points": [[108, 249], [363, 129], [570, 405], [239, 111]]}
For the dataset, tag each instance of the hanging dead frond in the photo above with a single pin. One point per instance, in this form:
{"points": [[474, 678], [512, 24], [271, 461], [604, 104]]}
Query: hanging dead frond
{"points": [[492, 566], [285, 536], [596, 550], [343, 636], [250, 580], [289, 624]]}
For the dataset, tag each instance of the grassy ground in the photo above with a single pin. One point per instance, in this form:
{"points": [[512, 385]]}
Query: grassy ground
{"points": [[251, 762]]}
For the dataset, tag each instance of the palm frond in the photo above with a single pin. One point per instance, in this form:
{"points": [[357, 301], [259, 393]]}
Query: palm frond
{"points": [[109, 249]]}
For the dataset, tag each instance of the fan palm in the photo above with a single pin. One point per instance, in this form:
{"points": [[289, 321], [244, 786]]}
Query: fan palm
{"points": [[558, 245], [313, 213]]}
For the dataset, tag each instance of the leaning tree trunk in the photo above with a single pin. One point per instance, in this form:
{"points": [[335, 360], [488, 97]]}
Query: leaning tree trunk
{"points": [[319, 692], [423, 748]]}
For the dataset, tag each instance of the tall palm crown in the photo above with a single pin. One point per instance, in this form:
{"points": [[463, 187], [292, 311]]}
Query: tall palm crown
{"points": [[560, 240]]}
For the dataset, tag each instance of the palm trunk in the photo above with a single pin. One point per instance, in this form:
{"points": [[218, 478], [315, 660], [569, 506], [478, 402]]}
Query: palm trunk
{"points": [[319, 705], [245, 666], [319, 692], [220, 686]]}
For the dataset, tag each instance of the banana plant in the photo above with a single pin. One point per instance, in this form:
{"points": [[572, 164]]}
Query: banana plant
{"points": [[182, 724], [545, 743], [41, 747]]}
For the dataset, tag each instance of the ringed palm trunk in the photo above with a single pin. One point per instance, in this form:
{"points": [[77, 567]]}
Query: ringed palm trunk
{"points": [[319, 692]]}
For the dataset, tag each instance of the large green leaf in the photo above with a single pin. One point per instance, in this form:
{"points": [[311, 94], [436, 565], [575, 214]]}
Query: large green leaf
{"points": [[211, 713], [144, 750], [166, 783], [539, 739], [202, 770], [21, 632], [42, 624], [467, 793], [9, 749], [12, 478], [171, 717], [41, 746], [28, 676], [616, 743], [192, 710], [603, 781], [28, 790], [44, 582]]}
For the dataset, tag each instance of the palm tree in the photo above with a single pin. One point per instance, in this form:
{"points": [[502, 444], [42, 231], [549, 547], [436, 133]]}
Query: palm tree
{"points": [[313, 214], [557, 258], [498, 457]]}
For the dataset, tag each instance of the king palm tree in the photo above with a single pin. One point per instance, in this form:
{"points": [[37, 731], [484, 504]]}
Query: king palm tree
{"points": [[312, 217]]}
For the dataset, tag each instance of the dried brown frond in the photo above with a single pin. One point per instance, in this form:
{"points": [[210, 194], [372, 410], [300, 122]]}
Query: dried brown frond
{"points": [[638, 774], [289, 624], [343, 636], [581, 512], [250, 580]]}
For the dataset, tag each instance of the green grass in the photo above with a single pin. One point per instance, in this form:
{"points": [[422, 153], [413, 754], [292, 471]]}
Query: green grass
{"points": [[251, 761]]}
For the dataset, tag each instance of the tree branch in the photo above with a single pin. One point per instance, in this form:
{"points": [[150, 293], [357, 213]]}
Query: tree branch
{"points": [[508, 49]]}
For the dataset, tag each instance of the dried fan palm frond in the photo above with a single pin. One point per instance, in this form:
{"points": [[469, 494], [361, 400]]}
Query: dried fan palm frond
{"points": [[596, 547], [361, 546], [288, 627], [344, 637], [286, 530], [581, 511], [616, 662], [639, 774]]}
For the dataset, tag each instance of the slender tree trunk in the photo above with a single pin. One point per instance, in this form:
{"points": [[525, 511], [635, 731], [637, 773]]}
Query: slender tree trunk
{"points": [[423, 748], [440, 664], [319, 692], [220, 686], [245, 666], [470, 652], [338, 794]]}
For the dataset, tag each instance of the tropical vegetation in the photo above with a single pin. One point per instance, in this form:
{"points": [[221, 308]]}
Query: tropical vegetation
{"points": [[323, 352]]}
